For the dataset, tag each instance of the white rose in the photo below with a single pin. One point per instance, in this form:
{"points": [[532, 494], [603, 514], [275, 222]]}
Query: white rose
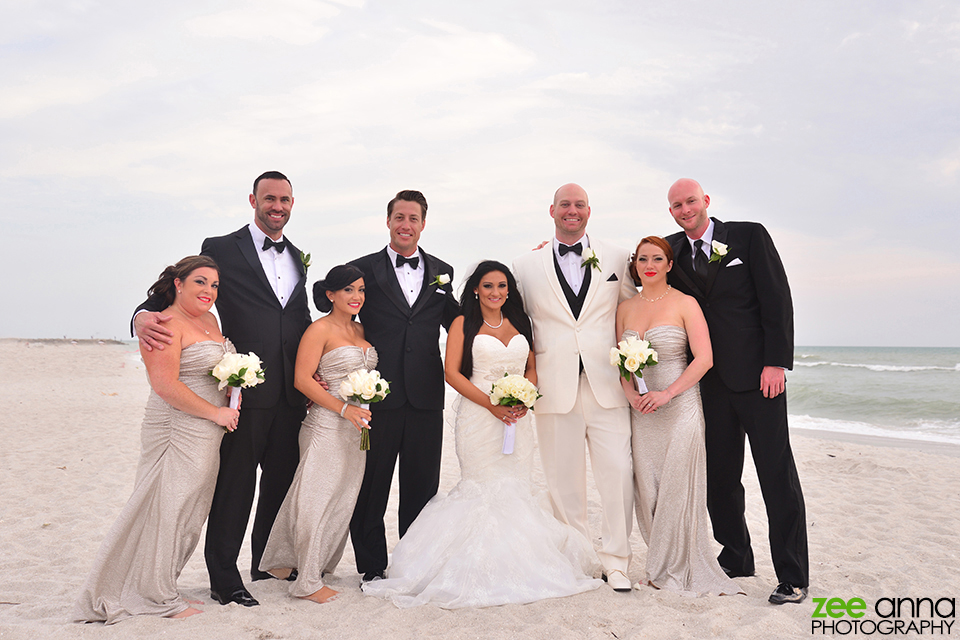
{"points": [[632, 363], [587, 254], [347, 390], [614, 356], [250, 377], [443, 279], [369, 389], [719, 248]]}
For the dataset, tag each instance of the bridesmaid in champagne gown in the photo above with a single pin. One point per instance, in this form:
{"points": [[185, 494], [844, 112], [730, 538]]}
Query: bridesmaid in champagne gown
{"points": [[669, 459], [136, 569], [310, 531]]}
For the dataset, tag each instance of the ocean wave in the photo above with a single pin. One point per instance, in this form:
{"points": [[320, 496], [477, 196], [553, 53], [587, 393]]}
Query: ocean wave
{"points": [[877, 367], [925, 431]]}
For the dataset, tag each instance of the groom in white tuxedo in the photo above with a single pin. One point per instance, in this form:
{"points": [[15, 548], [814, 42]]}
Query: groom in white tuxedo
{"points": [[571, 290]]}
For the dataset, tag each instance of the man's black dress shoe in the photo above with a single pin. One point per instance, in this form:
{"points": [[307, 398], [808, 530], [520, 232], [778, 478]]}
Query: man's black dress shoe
{"points": [[786, 592], [241, 596], [263, 575], [736, 574], [370, 576]]}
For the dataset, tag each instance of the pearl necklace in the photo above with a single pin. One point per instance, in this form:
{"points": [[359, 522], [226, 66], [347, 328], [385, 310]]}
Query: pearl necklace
{"points": [[658, 298], [499, 325]]}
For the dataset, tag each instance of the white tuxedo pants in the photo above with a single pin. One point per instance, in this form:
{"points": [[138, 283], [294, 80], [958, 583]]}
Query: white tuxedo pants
{"points": [[562, 438]]}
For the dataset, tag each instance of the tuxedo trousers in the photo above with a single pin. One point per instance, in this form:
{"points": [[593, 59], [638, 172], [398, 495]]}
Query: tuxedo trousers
{"points": [[563, 439], [729, 416], [415, 437], [268, 438]]}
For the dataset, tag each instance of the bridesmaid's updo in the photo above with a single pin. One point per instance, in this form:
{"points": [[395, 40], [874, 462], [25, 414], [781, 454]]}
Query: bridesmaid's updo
{"points": [[337, 278], [163, 292], [656, 241]]}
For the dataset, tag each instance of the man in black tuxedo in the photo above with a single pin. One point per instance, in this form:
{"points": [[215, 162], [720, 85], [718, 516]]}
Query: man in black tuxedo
{"points": [[263, 308], [404, 309], [735, 273]]}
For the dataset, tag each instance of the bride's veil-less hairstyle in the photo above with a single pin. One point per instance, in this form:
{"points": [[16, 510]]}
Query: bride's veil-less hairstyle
{"points": [[163, 292], [337, 278], [656, 241], [473, 319]]}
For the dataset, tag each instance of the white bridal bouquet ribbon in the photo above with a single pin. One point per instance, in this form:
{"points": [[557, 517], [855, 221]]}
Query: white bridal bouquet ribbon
{"points": [[363, 387], [631, 356], [238, 370], [509, 391]]}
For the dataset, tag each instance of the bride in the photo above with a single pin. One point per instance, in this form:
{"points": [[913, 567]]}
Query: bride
{"points": [[491, 540]]}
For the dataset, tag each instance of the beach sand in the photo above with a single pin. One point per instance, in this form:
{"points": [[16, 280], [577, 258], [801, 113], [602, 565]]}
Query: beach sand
{"points": [[882, 522]]}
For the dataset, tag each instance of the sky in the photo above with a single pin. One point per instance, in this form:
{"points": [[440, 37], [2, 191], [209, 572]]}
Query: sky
{"points": [[131, 131]]}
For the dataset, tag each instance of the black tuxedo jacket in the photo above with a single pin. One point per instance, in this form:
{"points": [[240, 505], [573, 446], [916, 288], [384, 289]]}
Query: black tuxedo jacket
{"points": [[746, 302], [253, 319], [407, 339]]}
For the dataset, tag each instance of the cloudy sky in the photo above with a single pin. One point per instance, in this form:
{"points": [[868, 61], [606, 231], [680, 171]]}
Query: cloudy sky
{"points": [[131, 131]]}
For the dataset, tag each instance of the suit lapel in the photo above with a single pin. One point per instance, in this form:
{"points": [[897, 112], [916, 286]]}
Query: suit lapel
{"points": [[302, 282], [719, 235], [595, 278], [386, 279], [431, 269], [682, 264], [249, 252], [546, 258]]}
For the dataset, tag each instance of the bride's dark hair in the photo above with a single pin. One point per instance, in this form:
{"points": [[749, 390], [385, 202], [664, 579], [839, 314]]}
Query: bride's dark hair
{"points": [[473, 319], [337, 278], [163, 292]]}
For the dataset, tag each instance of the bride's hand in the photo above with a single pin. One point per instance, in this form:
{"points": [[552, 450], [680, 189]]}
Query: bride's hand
{"points": [[651, 401], [507, 414]]}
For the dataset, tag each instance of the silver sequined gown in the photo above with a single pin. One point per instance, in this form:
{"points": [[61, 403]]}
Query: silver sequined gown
{"points": [[310, 531], [669, 466], [136, 569], [493, 539]]}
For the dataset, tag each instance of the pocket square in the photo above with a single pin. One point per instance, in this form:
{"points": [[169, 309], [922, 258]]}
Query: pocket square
{"points": [[612, 278], [734, 262], [440, 291]]}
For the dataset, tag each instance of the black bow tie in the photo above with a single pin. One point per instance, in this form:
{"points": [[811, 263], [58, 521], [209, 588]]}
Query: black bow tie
{"points": [[413, 261], [565, 249], [279, 246]]}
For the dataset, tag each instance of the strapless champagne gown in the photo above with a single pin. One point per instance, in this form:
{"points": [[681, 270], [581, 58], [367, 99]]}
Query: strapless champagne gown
{"points": [[136, 569], [493, 539], [669, 467], [310, 531]]}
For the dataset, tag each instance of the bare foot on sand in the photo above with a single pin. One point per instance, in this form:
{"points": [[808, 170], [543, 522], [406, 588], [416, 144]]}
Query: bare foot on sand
{"points": [[186, 613], [323, 596], [193, 601]]}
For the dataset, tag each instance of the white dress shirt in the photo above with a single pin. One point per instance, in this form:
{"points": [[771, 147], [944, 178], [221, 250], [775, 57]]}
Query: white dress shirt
{"points": [[280, 268], [410, 279], [706, 247], [571, 264]]}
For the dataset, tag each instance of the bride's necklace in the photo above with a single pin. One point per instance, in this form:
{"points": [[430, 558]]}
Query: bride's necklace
{"points": [[499, 325], [657, 298]]}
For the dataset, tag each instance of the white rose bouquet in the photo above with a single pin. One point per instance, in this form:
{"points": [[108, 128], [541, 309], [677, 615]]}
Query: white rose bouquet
{"points": [[364, 387], [509, 391], [238, 370], [631, 356]]}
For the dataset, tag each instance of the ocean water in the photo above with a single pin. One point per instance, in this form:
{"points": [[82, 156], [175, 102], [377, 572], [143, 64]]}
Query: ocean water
{"points": [[900, 392]]}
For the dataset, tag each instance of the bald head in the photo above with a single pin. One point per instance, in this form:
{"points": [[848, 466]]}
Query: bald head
{"points": [[688, 206], [570, 211]]}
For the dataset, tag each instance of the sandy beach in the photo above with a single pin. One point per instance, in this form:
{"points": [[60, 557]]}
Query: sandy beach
{"points": [[883, 521]]}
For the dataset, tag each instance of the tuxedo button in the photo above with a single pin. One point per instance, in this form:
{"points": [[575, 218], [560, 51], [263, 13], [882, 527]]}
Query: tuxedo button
{"points": [[410, 322], [409, 349]]}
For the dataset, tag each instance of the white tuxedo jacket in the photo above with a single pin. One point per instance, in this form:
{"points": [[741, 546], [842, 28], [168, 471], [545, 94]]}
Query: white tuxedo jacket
{"points": [[560, 340]]}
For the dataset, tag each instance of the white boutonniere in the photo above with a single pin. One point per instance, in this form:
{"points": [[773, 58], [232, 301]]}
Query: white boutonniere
{"points": [[441, 280], [305, 261], [719, 251], [590, 258]]}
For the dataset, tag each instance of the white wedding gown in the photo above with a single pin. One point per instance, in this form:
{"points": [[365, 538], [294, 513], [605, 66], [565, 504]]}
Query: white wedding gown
{"points": [[493, 539]]}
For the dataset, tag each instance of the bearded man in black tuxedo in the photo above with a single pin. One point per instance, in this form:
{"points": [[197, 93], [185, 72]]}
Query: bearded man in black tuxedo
{"points": [[408, 299], [735, 273], [262, 303]]}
